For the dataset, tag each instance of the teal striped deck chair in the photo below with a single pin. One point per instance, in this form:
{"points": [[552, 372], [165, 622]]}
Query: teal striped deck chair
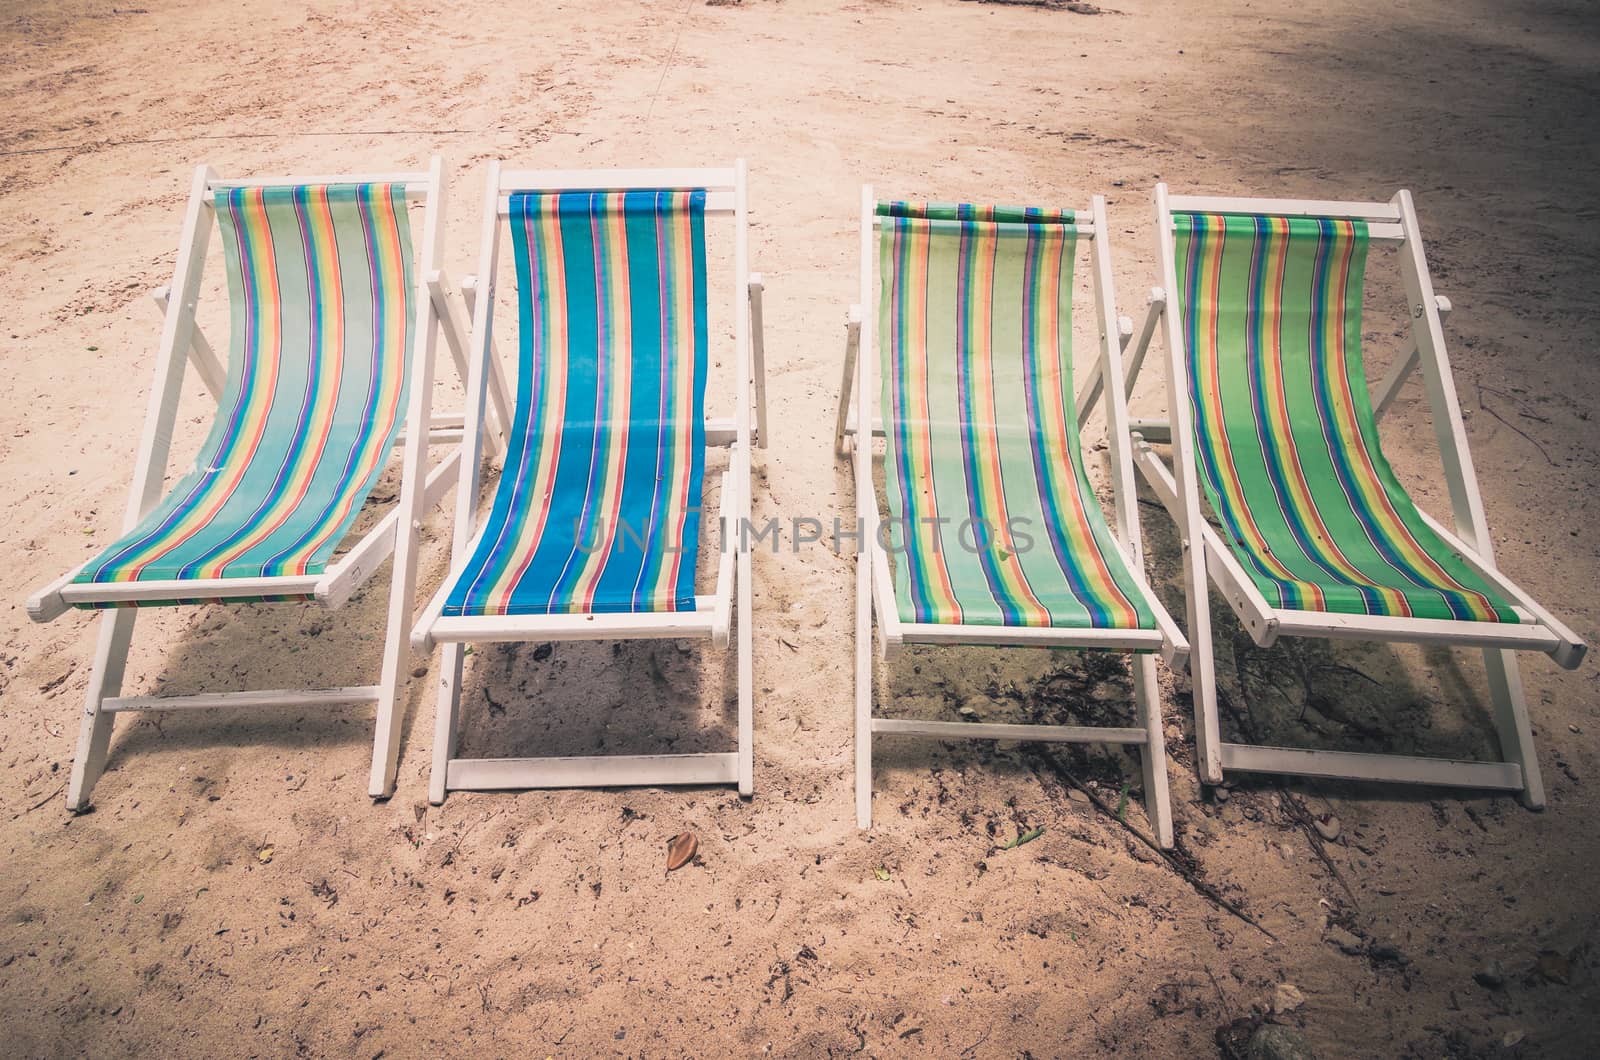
{"points": [[594, 530], [1274, 428], [993, 535], [334, 311]]}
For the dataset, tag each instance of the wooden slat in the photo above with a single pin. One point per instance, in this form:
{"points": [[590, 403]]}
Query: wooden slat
{"points": [[977, 730], [1394, 769], [1368, 211], [485, 629], [612, 771], [277, 697]]}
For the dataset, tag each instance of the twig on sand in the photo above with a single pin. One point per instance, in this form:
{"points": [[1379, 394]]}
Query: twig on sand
{"points": [[1187, 872], [1303, 818], [59, 788], [1490, 410]]}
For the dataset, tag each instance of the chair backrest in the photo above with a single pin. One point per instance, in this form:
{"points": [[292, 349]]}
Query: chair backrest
{"points": [[993, 516], [1285, 436], [321, 295], [598, 507]]}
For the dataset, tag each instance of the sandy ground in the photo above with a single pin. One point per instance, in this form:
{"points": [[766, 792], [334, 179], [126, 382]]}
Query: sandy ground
{"points": [[235, 891]]}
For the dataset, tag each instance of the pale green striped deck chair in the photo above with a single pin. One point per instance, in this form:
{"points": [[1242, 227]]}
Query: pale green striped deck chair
{"points": [[1272, 425], [335, 311], [996, 535]]}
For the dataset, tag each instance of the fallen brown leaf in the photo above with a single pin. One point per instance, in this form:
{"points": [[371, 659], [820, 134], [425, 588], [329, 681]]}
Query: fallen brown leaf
{"points": [[681, 850]]}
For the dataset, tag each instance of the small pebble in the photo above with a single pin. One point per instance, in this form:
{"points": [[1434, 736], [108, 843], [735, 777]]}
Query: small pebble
{"points": [[1328, 827]]}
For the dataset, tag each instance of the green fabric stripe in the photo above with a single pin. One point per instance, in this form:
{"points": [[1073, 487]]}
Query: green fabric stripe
{"points": [[931, 344], [1293, 467]]}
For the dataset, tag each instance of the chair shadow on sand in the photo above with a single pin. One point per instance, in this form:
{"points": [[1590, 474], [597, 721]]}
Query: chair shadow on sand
{"points": [[574, 698], [1310, 693]]}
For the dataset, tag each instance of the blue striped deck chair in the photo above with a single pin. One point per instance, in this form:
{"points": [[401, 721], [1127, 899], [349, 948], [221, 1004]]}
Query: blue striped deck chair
{"points": [[996, 534], [594, 529], [334, 315], [1272, 424]]}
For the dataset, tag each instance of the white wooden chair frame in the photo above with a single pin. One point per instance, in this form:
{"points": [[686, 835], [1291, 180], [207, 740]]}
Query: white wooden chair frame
{"points": [[181, 341], [713, 615], [875, 593], [1393, 223]]}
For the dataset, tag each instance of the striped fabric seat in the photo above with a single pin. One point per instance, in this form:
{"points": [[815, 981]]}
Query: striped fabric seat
{"points": [[991, 519], [319, 282], [1285, 435], [598, 507]]}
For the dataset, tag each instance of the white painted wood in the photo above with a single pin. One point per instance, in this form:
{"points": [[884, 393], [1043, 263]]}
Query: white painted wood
{"points": [[46, 604], [1157, 796], [116, 628], [94, 724], [1569, 655], [436, 436], [499, 389], [394, 670], [201, 355], [1366, 211], [709, 178], [188, 589], [886, 604], [1384, 393], [1151, 430], [1186, 509], [1391, 769], [852, 343], [1255, 614], [605, 771], [455, 320], [758, 349], [416, 182], [744, 630], [478, 373], [1466, 504], [976, 730], [277, 697], [727, 534], [1527, 637], [866, 525], [1089, 394]]}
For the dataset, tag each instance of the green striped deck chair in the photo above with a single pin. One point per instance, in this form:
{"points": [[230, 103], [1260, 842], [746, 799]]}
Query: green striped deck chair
{"points": [[594, 529], [329, 355], [993, 534], [1276, 431]]}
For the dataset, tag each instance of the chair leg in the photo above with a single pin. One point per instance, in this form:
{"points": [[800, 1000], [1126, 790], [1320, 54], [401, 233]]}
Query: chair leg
{"points": [[1511, 723], [105, 681], [1157, 800], [1202, 666], [743, 637], [391, 687], [864, 650], [444, 720]]}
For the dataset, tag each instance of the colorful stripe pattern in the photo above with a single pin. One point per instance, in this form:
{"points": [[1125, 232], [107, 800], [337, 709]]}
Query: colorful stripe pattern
{"points": [[598, 509], [1285, 435], [319, 281], [991, 518]]}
